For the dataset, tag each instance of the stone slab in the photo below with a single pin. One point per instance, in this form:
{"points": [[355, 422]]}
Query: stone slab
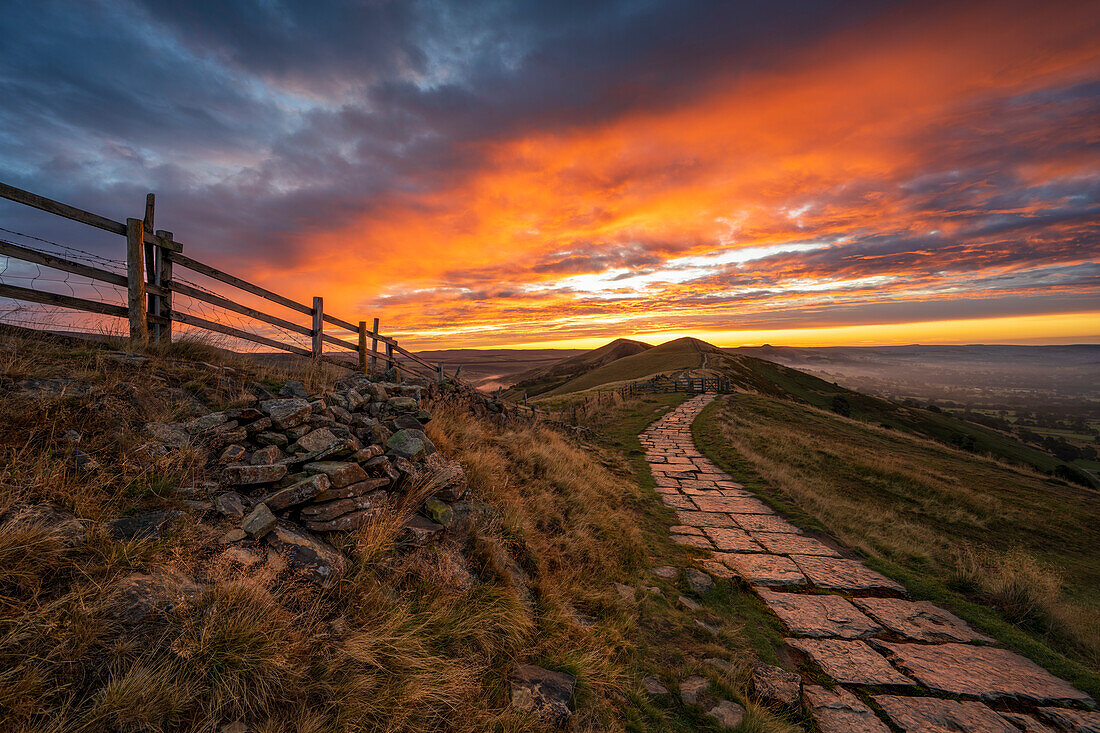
{"points": [[704, 519], [932, 715], [819, 616], [850, 661], [766, 570], [981, 671], [692, 540], [764, 523], [919, 620], [839, 711], [1028, 724], [793, 544], [731, 539], [835, 573], [773, 685], [730, 504], [1078, 721], [678, 502]]}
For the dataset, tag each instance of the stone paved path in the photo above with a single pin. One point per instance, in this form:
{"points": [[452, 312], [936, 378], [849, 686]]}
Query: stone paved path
{"points": [[852, 622]]}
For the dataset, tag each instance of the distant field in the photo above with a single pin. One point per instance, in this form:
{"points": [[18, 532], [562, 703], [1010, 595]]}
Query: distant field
{"points": [[955, 526]]}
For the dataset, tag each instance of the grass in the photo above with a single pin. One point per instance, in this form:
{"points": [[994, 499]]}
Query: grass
{"points": [[1008, 549], [409, 639]]}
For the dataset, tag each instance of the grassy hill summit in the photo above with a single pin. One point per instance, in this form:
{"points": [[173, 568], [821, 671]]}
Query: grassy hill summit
{"points": [[544, 379]]}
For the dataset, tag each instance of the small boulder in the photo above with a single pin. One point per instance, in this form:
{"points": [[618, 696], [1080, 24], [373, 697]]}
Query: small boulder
{"points": [[316, 440], [234, 535], [728, 714], [439, 512], [626, 592], [286, 413], [776, 686], [692, 688], [653, 687], [402, 404], [259, 522], [698, 581], [445, 476], [666, 571], [231, 504], [410, 443], [329, 510], [420, 531], [139, 599], [267, 456], [688, 604], [544, 693], [232, 454], [339, 473], [360, 488], [140, 526], [172, 436], [316, 560], [242, 475], [297, 493], [293, 388], [205, 423]]}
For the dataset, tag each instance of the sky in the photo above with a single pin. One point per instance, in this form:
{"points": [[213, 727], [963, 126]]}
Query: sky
{"points": [[564, 173]]}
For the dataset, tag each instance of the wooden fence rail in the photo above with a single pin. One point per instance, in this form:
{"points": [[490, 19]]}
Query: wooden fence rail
{"points": [[152, 259]]}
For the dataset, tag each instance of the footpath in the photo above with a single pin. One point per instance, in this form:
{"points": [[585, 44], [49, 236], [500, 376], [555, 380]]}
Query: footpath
{"points": [[890, 658]]}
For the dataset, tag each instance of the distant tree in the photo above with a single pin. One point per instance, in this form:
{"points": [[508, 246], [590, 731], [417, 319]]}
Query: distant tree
{"points": [[841, 406]]}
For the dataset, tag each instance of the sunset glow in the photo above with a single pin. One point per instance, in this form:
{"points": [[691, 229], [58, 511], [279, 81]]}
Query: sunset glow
{"points": [[908, 173]]}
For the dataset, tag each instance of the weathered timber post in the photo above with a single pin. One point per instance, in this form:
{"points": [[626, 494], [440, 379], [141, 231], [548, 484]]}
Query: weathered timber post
{"points": [[457, 372], [439, 371], [164, 280], [151, 252], [135, 282], [389, 356], [363, 346], [374, 348], [318, 326]]}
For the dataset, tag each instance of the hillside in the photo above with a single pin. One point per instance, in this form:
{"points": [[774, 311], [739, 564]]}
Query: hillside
{"points": [[548, 378]]}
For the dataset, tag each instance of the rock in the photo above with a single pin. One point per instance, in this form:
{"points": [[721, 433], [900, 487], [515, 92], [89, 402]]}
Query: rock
{"points": [[625, 592], [411, 444], [234, 535], [259, 426], [332, 509], [653, 687], [819, 615], [381, 466], [766, 570], [850, 661], [712, 629], [61, 524], [316, 440], [667, 572], [231, 504], [297, 433], [266, 456], [728, 714], [420, 531], [405, 470], [139, 599], [688, 604], [315, 559], [339, 474], [1077, 721], [259, 521], [244, 414], [345, 523], [932, 714], [232, 454], [692, 688], [286, 413], [698, 581], [445, 477], [423, 417], [140, 526], [269, 438], [719, 663], [920, 621], [84, 462], [361, 488], [776, 686], [834, 573], [839, 711], [242, 475], [981, 671], [205, 423], [297, 493], [293, 388], [402, 404], [439, 511], [406, 421], [544, 693]]}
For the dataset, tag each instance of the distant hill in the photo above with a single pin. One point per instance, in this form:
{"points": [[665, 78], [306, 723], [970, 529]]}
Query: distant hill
{"points": [[546, 378]]}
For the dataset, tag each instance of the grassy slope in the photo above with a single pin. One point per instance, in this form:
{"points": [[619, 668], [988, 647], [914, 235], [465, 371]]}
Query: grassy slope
{"points": [[539, 381], [398, 644], [959, 529]]}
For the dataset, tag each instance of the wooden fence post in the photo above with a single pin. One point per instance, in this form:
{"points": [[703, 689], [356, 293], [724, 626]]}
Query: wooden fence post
{"points": [[389, 356], [318, 326], [135, 281], [439, 370], [164, 280], [374, 348], [151, 252], [363, 346]]}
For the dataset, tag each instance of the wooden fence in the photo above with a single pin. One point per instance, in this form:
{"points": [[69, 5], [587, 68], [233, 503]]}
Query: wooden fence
{"points": [[152, 260]]}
